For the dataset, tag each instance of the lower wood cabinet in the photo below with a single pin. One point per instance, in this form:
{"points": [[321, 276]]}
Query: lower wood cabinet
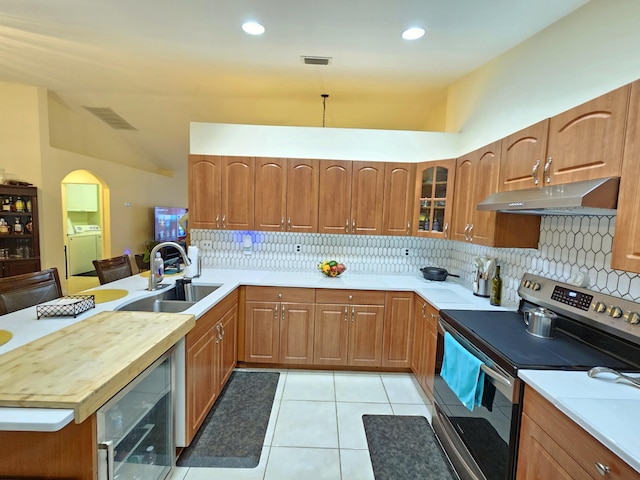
{"points": [[348, 328], [279, 325], [211, 353], [397, 343], [425, 340], [553, 446]]}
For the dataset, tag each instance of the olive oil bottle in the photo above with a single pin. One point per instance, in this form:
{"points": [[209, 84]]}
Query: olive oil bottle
{"points": [[496, 288]]}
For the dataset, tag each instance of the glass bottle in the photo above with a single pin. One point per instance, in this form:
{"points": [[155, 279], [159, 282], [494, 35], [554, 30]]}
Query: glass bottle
{"points": [[158, 266], [496, 288], [28, 204], [6, 204], [19, 204], [150, 457], [18, 227]]}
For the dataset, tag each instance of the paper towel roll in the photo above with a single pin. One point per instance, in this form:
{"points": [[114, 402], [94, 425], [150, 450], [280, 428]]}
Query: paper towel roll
{"points": [[190, 271]]}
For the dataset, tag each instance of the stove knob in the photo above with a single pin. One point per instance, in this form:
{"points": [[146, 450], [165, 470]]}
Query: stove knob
{"points": [[599, 307], [615, 312], [535, 286], [526, 284], [632, 317]]}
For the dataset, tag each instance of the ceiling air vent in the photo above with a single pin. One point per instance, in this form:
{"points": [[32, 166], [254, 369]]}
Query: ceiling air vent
{"points": [[316, 60], [110, 117]]}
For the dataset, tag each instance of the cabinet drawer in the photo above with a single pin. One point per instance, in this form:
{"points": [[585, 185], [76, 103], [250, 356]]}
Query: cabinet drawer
{"points": [[351, 297], [584, 449], [280, 294]]}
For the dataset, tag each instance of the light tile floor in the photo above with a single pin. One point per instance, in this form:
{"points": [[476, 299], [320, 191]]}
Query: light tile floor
{"points": [[315, 431]]}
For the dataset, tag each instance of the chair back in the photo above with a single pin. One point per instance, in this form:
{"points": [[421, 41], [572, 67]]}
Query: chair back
{"points": [[29, 289], [112, 269]]}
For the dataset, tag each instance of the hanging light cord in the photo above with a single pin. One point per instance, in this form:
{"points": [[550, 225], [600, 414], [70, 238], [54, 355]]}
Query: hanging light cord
{"points": [[324, 106]]}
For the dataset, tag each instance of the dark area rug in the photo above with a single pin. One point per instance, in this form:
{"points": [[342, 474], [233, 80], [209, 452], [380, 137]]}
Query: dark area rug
{"points": [[405, 448], [484, 443], [233, 433], [91, 273]]}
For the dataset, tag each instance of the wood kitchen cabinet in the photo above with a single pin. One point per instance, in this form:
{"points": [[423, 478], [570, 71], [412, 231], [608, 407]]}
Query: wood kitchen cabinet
{"points": [[349, 327], [221, 192], [21, 246], [397, 342], [523, 157], [477, 176], [626, 241], [286, 194], [351, 197], [423, 361], [586, 142], [279, 325], [211, 352], [397, 209], [553, 446], [434, 189]]}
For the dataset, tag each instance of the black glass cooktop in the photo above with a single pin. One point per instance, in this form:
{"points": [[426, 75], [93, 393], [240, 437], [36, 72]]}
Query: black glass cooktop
{"points": [[503, 337]]}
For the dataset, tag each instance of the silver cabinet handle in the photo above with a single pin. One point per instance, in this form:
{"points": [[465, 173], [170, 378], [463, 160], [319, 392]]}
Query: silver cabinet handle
{"points": [[446, 230], [289, 224], [547, 177], [424, 305], [471, 234], [108, 455], [353, 314], [466, 232], [275, 312], [602, 469], [224, 221], [346, 313], [282, 316], [220, 333], [408, 228], [346, 227], [217, 221], [353, 226], [534, 173], [282, 224]]}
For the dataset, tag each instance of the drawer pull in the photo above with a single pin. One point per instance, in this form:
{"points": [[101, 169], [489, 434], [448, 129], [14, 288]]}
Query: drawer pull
{"points": [[602, 469]]}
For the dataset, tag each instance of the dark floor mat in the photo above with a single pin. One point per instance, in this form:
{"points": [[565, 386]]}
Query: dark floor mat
{"points": [[487, 447], [405, 448], [91, 273], [233, 433]]}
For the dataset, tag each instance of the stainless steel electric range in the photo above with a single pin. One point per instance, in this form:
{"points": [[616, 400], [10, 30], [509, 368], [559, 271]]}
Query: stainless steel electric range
{"points": [[592, 329]]}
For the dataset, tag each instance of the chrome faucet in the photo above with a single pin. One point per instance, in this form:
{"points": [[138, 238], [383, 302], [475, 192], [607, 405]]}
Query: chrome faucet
{"points": [[153, 284]]}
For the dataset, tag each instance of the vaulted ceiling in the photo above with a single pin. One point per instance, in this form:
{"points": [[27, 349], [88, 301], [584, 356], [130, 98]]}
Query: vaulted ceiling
{"points": [[161, 64]]}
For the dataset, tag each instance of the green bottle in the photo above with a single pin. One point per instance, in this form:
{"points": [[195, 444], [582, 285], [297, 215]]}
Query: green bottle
{"points": [[496, 288]]}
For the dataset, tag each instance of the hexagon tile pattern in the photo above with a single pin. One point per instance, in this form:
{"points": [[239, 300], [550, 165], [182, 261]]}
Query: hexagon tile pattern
{"points": [[567, 244]]}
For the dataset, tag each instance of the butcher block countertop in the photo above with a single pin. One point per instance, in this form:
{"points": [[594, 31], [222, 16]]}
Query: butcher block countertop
{"points": [[83, 365]]}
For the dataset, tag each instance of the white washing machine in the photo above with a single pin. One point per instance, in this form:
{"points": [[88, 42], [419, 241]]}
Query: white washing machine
{"points": [[84, 246]]}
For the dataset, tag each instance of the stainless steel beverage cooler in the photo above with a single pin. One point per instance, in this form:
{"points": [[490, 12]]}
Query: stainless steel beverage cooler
{"points": [[135, 427]]}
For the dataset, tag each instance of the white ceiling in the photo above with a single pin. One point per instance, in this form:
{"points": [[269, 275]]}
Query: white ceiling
{"points": [[163, 63]]}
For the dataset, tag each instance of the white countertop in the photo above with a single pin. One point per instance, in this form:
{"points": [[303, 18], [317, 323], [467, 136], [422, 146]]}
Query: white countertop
{"points": [[607, 410]]}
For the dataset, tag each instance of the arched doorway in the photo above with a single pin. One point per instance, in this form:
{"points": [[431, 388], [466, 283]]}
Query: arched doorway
{"points": [[85, 226]]}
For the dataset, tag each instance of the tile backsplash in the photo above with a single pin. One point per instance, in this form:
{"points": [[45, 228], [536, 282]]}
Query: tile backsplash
{"points": [[567, 244]]}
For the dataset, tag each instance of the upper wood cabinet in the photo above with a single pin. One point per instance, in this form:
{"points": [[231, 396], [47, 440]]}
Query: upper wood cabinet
{"points": [[586, 142], [434, 189], [477, 178], [286, 195], [351, 197], [626, 241], [397, 210], [221, 192], [523, 157]]}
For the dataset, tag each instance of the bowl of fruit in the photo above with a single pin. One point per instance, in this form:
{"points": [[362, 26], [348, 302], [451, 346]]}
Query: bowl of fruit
{"points": [[331, 268]]}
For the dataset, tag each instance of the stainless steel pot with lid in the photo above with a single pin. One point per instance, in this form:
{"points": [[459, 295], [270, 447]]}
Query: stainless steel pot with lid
{"points": [[540, 322]]}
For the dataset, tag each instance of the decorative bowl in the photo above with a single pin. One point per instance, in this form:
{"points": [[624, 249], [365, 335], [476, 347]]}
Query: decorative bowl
{"points": [[331, 268]]}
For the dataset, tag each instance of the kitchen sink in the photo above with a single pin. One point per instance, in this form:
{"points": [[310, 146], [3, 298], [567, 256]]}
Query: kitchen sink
{"points": [[166, 300]]}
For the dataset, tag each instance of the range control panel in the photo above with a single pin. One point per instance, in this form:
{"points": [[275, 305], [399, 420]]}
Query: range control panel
{"points": [[614, 314]]}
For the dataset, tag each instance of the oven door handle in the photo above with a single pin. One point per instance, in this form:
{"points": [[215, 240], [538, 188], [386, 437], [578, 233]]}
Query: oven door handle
{"points": [[496, 376], [487, 370]]}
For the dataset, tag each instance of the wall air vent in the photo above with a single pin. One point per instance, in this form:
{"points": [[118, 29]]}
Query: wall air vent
{"points": [[316, 60], [111, 118]]}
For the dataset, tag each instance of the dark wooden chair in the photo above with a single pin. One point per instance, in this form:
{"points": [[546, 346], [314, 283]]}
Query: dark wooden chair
{"points": [[112, 269], [29, 289]]}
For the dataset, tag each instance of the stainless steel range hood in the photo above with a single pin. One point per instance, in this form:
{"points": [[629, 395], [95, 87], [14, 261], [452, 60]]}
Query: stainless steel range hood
{"points": [[590, 197]]}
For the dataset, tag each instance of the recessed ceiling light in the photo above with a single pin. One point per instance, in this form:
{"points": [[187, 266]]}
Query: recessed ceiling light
{"points": [[413, 33], [253, 28]]}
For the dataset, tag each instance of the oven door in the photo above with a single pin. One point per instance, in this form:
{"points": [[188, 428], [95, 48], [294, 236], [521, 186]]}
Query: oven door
{"points": [[481, 444]]}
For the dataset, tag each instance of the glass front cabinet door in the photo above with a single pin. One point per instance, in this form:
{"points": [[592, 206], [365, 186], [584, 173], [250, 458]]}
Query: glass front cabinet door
{"points": [[434, 197]]}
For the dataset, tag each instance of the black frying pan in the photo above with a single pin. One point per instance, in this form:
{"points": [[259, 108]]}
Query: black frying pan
{"points": [[437, 274]]}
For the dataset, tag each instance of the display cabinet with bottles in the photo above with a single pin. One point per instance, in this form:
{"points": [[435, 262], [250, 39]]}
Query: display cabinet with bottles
{"points": [[434, 197], [19, 239]]}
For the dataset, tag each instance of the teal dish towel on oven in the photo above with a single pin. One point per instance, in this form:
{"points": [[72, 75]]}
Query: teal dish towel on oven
{"points": [[461, 370]]}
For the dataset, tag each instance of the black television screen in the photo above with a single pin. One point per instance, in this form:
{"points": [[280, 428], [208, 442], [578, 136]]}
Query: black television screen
{"points": [[167, 224]]}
